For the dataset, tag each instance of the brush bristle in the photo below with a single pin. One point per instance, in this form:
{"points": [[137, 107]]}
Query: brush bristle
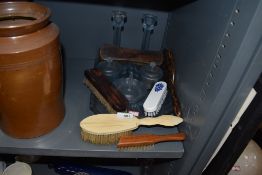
{"points": [[99, 96], [137, 147], [103, 139]]}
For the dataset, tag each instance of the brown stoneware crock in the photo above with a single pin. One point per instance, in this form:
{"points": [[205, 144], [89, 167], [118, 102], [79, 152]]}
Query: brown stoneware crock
{"points": [[31, 102]]}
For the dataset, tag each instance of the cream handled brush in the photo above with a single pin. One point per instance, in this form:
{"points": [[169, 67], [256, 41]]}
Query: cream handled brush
{"points": [[155, 99], [107, 128]]}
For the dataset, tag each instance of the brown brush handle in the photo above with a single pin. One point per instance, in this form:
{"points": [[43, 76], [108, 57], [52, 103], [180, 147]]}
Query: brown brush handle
{"points": [[148, 139], [128, 54], [117, 101], [169, 68], [169, 137]]}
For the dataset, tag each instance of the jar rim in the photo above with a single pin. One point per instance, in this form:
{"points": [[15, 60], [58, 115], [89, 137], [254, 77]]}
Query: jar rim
{"points": [[19, 18]]}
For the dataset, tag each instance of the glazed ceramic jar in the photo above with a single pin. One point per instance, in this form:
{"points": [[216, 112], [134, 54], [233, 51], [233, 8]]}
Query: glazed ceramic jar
{"points": [[31, 102]]}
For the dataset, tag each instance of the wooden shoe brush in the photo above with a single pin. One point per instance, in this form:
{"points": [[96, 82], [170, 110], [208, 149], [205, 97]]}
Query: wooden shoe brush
{"points": [[144, 140], [105, 91], [108, 128], [131, 55]]}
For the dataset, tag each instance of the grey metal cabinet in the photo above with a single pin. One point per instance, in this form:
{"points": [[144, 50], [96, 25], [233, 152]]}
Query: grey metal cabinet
{"points": [[217, 46]]}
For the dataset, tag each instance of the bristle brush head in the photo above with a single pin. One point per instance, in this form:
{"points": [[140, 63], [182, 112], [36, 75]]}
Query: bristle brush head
{"points": [[97, 94], [135, 148], [155, 99], [103, 139]]}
